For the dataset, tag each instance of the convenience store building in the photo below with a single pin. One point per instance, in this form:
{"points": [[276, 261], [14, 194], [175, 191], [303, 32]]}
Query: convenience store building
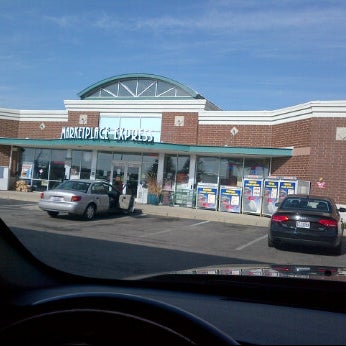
{"points": [[130, 125]]}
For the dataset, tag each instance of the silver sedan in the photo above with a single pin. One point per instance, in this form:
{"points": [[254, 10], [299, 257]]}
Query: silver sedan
{"points": [[84, 198]]}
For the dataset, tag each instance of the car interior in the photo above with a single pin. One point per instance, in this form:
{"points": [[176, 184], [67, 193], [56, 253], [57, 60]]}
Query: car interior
{"points": [[322, 206]]}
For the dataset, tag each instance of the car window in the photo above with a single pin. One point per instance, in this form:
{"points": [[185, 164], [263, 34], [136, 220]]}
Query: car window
{"points": [[99, 188], [108, 188], [74, 186], [291, 203], [306, 204], [323, 206]]}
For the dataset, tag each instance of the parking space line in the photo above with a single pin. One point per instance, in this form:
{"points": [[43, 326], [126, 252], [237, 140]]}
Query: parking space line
{"points": [[199, 223], [251, 242], [155, 233]]}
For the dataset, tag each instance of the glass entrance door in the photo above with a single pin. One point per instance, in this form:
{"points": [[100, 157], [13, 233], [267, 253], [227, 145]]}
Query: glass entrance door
{"points": [[126, 176]]}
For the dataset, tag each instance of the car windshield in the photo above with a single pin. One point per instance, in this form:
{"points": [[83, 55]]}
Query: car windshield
{"points": [[136, 174]]}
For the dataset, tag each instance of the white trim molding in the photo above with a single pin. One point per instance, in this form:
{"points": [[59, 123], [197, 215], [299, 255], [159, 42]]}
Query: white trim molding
{"points": [[314, 109], [33, 115]]}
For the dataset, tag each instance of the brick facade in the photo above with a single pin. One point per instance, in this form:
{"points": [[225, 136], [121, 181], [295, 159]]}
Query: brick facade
{"points": [[31, 129], [247, 136], [9, 128], [52, 129], [93, 119], [317, 154], [186, 134], [5, 152]]}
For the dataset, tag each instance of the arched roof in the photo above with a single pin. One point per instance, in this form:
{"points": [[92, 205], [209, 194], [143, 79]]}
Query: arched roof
{"points": [[138, 85]]}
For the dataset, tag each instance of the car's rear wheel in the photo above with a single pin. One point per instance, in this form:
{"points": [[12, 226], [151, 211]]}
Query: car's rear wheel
{"points": [[90, 212], [53, 213], [270, 243], [337, 251]]}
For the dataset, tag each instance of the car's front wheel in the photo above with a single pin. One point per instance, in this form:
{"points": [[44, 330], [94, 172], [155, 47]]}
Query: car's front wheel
{"points": [[90, 212]]}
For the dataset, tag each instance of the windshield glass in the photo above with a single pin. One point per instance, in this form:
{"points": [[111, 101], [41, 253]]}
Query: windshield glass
{"points": [[136, 174]]}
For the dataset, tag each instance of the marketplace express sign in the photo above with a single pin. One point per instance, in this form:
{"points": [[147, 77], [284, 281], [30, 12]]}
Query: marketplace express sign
{"points": [[106, 133]]}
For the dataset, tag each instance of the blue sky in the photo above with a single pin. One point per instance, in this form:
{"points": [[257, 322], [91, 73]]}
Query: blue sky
{"points": [[239, 54]]}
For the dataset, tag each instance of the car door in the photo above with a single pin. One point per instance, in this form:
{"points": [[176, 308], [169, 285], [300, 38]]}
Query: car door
{"points": [[100, 192]]}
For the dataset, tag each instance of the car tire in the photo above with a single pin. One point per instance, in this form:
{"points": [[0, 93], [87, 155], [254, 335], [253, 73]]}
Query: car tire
{"points": [[337, 251], [89, 212], [270, 243], [53, 213]]}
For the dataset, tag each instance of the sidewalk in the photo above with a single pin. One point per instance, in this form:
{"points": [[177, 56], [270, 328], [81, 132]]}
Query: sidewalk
{"points": [[177, 212]]}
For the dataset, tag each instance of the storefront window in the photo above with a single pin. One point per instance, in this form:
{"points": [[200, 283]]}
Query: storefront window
{"points": [[176, 172], [259, 167], [81, 164], [28, 154], [149, 166], [208, 169], [104, 162], [231, 172], [27, 164], [169, 172], [127, 157], [41, 169], [41, 163], [57, 167], [183, 169]]}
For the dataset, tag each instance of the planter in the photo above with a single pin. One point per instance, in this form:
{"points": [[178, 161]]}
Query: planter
{"points": [[153, 199]]}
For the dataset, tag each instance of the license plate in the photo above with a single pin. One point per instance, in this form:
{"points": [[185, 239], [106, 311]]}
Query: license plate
{"points": [[302, 224], [57, 199]]}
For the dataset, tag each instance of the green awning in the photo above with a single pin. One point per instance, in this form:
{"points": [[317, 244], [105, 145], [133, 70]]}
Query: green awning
{"points": [[130, 146]]}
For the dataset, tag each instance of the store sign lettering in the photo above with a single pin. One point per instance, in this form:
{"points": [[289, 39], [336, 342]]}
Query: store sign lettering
{"points": [[105, 133]]}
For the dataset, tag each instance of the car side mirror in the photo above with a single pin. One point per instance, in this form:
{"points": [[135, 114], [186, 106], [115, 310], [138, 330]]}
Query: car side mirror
{"points": [[342, 210]]}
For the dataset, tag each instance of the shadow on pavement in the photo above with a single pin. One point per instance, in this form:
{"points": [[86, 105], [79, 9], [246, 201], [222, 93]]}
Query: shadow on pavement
{"points": [[109, 259]]}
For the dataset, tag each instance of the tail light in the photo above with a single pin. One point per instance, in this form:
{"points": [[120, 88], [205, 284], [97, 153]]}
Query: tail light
{"points": [[279, 218], [42, 195], [328, 222], [76, 198]]}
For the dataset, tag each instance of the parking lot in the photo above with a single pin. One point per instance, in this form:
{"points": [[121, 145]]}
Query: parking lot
{"points": [[151, 240], [201, 236]]}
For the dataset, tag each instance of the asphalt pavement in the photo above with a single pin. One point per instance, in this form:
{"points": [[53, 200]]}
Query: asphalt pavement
{"points": [[169, 211]]}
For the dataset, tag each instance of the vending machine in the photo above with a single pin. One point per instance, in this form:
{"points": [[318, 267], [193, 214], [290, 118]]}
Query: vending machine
{"points": [[252, 195]]}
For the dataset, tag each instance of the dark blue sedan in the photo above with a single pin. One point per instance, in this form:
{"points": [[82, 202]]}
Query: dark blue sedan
{"points": [[307, 220]]}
